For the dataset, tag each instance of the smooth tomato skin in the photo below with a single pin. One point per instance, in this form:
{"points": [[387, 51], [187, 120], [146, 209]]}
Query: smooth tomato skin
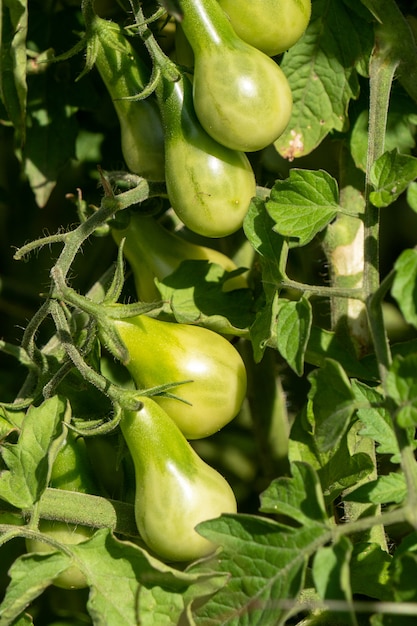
{"points": [[209, 185], [165, 352], [72, 577], [175, 488], [125, 75], [241, 96], [271, 26], [155, 252], [250, 107]]}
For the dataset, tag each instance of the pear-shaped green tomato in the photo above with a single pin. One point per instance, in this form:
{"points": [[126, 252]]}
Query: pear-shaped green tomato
{"points": [[155, 252], [125, 75], [72, 577], [165, 352], [209, 186], [241, 96], [175, 488], [272, 26]]}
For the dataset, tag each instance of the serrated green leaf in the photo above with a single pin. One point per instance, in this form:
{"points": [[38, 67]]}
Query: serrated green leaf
{"points": [[127, 585], [299, 497], [331, 574], [339, 468], [384, 490], [30, 575], [332, 403], [321, 70], [13, 61], [303, 204], [293, 324], [369, 570], [266, 562], [325, 344], [195, 292], [390, 176], [376, 421], [404, 285], [29, 460], [401, 385]]}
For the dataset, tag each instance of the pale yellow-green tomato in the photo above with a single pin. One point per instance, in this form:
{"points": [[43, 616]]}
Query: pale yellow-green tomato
{"points": [[209, 185], [272, 26], [72, 577], [175, 488], [241, 96], [165, 352]]}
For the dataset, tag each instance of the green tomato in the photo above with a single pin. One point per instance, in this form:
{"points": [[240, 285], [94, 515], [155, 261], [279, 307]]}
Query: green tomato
{"points": [[155, 252], [175, 488], [72, 577], [125, 75], [241, 96], [271, 26], [165, 352], [72, 469], [209, 186]]}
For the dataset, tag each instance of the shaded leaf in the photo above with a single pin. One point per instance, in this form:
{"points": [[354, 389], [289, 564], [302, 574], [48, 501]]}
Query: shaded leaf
{"points": [[369, 570], [299, 497], [331, 573], [195, 292], [324, 344], [332, 404], [30, 575], [51, 130], [293, 324], [338, 468]]}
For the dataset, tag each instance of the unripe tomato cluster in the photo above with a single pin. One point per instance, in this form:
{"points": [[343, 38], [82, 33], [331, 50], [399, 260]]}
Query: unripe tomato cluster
{"points": [[193, 133], [232, 99]]}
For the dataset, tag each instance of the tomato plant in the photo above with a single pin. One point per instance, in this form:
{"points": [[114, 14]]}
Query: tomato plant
{"points": [[208, 392]]}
